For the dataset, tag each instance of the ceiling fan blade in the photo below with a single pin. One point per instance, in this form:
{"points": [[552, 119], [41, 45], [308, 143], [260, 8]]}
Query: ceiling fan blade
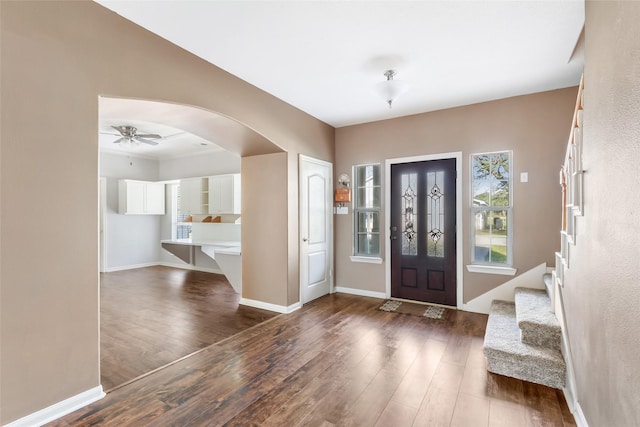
{"points": [[148, 135], [146, 141], [119, 140], [120, 129]]}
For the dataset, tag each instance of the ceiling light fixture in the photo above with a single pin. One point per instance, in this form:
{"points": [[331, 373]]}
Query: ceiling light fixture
{"points": [[391, 89]]}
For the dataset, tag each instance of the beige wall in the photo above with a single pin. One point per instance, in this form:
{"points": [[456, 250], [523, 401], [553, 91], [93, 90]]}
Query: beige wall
{"points": [[268, 171], [56, 59], [535, 127], [602, 284]]}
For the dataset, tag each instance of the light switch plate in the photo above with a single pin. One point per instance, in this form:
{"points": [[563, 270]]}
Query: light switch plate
{"points": [[524, 176]]}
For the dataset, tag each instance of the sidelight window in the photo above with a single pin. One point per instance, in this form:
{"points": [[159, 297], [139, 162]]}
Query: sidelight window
{"points": [[366, 210], [491, 209]]}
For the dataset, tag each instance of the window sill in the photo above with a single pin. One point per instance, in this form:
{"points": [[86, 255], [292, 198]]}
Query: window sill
{"points": [[490, 269], [366, 259]]}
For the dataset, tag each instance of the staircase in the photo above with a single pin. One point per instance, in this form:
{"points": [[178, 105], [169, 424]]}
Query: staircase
{"points": [[523, 339]]}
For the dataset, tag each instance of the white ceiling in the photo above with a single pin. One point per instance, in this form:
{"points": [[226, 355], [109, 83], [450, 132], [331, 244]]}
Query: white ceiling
{"points": [[184, 130], [148, 118], [174, 142], [324, 57]]}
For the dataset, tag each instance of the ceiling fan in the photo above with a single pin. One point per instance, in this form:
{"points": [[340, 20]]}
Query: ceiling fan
{"points": [[130, 135]]}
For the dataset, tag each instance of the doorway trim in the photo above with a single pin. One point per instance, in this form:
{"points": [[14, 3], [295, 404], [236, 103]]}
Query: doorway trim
{"points": [[102, 224], [457, 155]]}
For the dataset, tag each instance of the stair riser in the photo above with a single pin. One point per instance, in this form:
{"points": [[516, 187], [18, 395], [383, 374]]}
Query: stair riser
{"points": [[527, 371], [542, 337], [508, 355]]}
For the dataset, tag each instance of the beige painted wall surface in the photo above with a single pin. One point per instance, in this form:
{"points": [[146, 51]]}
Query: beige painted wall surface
{"points": [[602, 284], [535, 127], [56, 59], [269, 225]]}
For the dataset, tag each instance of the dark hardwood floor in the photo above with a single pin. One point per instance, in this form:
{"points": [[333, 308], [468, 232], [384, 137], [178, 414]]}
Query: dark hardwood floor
{"points": [[336, 361], [153, 316]]}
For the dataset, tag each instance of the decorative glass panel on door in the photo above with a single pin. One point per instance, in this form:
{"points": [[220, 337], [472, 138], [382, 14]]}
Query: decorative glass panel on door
{"points": [[435, 214], [409, 213]]}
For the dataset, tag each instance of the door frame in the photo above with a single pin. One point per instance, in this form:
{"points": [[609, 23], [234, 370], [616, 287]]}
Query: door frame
{"points": [[457, 155], [329, 195], [102, 224]]}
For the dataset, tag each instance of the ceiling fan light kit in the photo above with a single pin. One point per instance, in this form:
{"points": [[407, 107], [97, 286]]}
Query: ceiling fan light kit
{"points": [[130, 135], [391, 89]]}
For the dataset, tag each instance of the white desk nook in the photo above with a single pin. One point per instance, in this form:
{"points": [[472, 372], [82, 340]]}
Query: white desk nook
{"points": [[219, 241]]}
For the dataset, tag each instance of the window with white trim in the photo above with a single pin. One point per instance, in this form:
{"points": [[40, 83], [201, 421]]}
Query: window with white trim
{"points": [[366, 210], [491, 209], [179, 228]]}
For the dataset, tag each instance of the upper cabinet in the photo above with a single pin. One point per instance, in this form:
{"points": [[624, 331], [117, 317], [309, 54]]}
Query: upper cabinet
{"points": [[218, 194], [194, 196], [140, 197], [224, 194]]}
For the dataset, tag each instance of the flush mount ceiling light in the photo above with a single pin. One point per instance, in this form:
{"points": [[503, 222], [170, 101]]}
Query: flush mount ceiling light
{"points": [[390, 89]]}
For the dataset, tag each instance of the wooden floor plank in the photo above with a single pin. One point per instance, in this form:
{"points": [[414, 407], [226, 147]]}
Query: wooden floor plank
{"points": [[152, 316], [507, 414], [397, 415], [337, 361], [471, 411]]}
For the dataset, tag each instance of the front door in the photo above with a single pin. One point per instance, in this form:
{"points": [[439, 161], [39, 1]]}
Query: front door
{"points": [[316, 228], [423, 231]]}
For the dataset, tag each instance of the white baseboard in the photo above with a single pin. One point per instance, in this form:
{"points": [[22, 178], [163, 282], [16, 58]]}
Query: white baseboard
{"points": [[129, 267], [190, 267], [578, 415], [528, 279], [271, 307], [164, 264], [59, 409], [361, 292]]}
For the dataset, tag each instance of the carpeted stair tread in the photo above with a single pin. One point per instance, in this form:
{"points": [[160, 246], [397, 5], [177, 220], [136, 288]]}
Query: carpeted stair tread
{"points": [[539, 325], [507, 355]]}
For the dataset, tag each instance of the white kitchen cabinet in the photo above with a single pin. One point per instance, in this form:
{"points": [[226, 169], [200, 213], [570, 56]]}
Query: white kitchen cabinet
{"points": [[224, 194], [140, 197], [194, 196], [154, 198]]}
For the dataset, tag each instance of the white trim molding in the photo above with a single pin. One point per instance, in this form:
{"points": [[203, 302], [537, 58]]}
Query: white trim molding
{"points": [[366, 259], [491, 269], [271, 307], [190, 267], [360, 292], [578, 415], [457, 155], [129, 267], [59, 409], [164, 264], [529, 279]]}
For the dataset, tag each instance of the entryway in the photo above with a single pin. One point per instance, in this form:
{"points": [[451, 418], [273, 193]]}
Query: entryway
{"points": [[423, 222]]}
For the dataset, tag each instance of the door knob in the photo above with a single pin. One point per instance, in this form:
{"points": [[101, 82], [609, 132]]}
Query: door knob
{"points": [[304, 239]]}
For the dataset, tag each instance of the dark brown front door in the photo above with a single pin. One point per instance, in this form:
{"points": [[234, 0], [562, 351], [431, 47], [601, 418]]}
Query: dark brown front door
{"points": [[423, 231]]}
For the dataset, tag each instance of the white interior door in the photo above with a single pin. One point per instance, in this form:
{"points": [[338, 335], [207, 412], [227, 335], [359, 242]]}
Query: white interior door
{"points": [[316, 228]]}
